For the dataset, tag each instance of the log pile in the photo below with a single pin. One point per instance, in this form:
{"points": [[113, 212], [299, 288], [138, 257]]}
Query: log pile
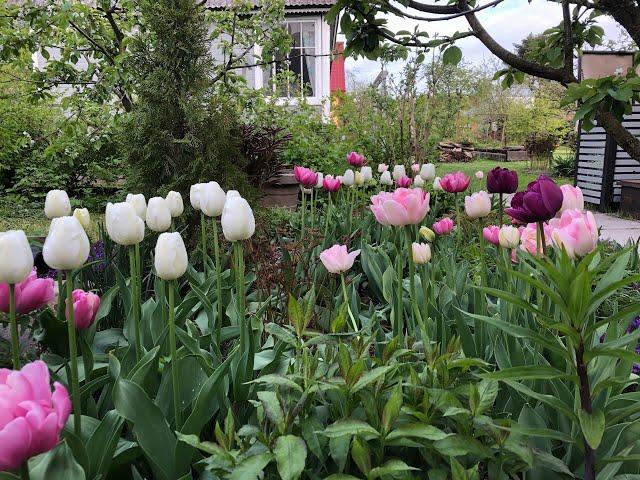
{"points": [[455, 152]]}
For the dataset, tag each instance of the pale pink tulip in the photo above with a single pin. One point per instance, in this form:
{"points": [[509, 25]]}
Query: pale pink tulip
{"points": [[528, 237], [32, 294], [404, 206], [572, 198], [576, 232], [478, 204], [443, 226], [382, 167], [337, 259], [31, 415], [85, 307], [491, 234], [415, 167], [479, 174], [421, 253]]}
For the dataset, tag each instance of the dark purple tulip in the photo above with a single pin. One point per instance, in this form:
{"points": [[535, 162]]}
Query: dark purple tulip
{"points": [[502, 180], [539, 202]]}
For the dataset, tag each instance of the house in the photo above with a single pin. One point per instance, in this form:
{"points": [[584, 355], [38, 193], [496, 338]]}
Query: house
{"points": [[310, 59]]}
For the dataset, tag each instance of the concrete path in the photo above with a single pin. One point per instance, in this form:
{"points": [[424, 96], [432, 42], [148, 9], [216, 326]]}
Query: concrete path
{"points": [[617, 229]]}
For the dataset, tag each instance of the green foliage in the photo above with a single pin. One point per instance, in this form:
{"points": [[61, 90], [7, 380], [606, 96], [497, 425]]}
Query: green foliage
{"points": [[564, 165]]}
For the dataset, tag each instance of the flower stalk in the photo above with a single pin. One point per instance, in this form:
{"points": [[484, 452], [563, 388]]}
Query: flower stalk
{"points": [[346, 299], [15, 339], [174, 357], [135, 300], [203, 240], [218, 266], [73, 358]]}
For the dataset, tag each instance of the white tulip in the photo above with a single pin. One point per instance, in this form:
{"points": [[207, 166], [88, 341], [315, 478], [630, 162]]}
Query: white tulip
{"points": [[57, 204], [428, 172], [170, 258], [398, 171], [358, 179], [174, 200], [67, 245], [212, 199], [16, 259], [237, 219], [123, 224], [349, 178], [421, 253], [320, 180], [139, 204], [478, 204], [385, 178], [82, 215], [233, 193], [367, 174], [194, 196], [436, 184], [509, 237], [307, 191], [158, 215], [418, 181]]}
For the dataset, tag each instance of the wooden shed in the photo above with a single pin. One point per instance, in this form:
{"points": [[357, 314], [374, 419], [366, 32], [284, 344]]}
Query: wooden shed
{"points": [[281, 190], [600, 163]]}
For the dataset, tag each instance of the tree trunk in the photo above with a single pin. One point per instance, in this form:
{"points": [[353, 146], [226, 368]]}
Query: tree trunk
{"points": [[626, 13], [623, 137]]}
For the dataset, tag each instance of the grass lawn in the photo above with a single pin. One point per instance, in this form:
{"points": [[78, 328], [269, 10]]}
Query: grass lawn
{"points": [[525, 174], [32, 220]]}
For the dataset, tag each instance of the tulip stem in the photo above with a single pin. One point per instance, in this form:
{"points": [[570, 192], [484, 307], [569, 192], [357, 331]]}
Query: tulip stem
{"points": [[304, 207], [397, 327], [543, 240], [483, 267], [203, 239], [327, 217], [15, 339], [501, 210], [412, 275], [73, 358], [24, 470], [346, 299], [135, 301], [174, 357], [312, 204], [216, 252]]}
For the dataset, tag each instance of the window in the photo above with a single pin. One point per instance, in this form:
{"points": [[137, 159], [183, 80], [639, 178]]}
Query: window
{"points": [[296, 73]]}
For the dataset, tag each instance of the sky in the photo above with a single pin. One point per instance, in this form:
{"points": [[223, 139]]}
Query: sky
{"points": [[508, 23]]}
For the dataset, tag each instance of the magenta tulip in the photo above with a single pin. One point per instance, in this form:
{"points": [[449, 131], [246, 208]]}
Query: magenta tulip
{"points": [[443, 226], [355, 159], [502, 180], [403, 182], [404, 206], [85, 307], [576, 232], [331, 184], [491, 234], [32, 294], [455, 182], [305, 176], [337, 259], [31, 415], [539, 202]]}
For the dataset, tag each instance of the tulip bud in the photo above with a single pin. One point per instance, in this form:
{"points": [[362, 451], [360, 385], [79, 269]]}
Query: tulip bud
{"points": [[479, 174], [194, 196], [382, 167], [421, 253], [358, 179], [399, 171], [170, 259], [237, 221], [349, 178], [212, 199], [67, 245], [82, 215], [233, 193], [385, 178], [158, 215], [418, 181], [415, 167], [367, 174], [174, 201], [123, 224], [509, 237], [57, 204], [428, 234], [436, 185], [139, 204], [428, 172], [16, 259], [85, 308], [320, 181], [478, 204]]}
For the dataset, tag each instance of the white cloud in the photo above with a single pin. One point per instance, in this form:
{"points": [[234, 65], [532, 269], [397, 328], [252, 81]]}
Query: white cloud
{"points": [[508, 23]]}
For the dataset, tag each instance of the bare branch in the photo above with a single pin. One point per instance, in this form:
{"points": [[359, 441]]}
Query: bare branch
{"points": [[97, 46], [444, 17], [437, 9], [568, 39]]}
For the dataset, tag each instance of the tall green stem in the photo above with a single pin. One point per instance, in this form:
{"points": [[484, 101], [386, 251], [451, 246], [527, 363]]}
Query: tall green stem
{"points": [[483, 267], [174, 358], [203, 240], [15, 339], [501, 210], [216, 252], [412, 275], [459, 229], [135, 300], [237, 253], [313, 207], [327, 217], [304, 208], [24, 471], [73, 358], [543, 240], [398, 327], [346, 299]]}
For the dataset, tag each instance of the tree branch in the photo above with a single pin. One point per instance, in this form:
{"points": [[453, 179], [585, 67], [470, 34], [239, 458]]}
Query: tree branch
{"points": [[442, 18], [437, 9], [568, 39], [97, 46]]}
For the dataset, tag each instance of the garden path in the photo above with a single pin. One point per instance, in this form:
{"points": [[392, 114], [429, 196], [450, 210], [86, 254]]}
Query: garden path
{"points": [[617, 229]]}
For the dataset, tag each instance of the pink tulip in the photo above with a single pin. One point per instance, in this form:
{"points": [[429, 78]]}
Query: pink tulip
{"points": [[572, 198], [331, 184], [85, 307], [576, 232], [479, 174], [404, 206], [491, 234], [305, 176], [337, 259], [415, 167], [355, 159], [32, 294], [382, 167], [528, 237], [31, 416], [455, 182], [404, 182], [443, 226]]}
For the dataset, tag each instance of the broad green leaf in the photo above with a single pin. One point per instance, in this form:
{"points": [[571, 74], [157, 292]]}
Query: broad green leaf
{"points": [[417, 430], [390, 467], [272, 407], [291, 456], [102, 444], [280, 380], [546, 460], [361, 454], [371, 376], [58, 463], [592, 426], [392, 409], [251, 467], [452, 55], [350, 427], [207, 447], [527, 372]]}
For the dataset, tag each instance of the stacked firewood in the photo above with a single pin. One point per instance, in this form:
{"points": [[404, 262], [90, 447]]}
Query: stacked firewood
{"points": [[455, 152]]}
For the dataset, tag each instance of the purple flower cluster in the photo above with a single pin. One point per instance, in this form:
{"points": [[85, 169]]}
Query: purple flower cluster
{"points": [[96, 254], [633, 326]]}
